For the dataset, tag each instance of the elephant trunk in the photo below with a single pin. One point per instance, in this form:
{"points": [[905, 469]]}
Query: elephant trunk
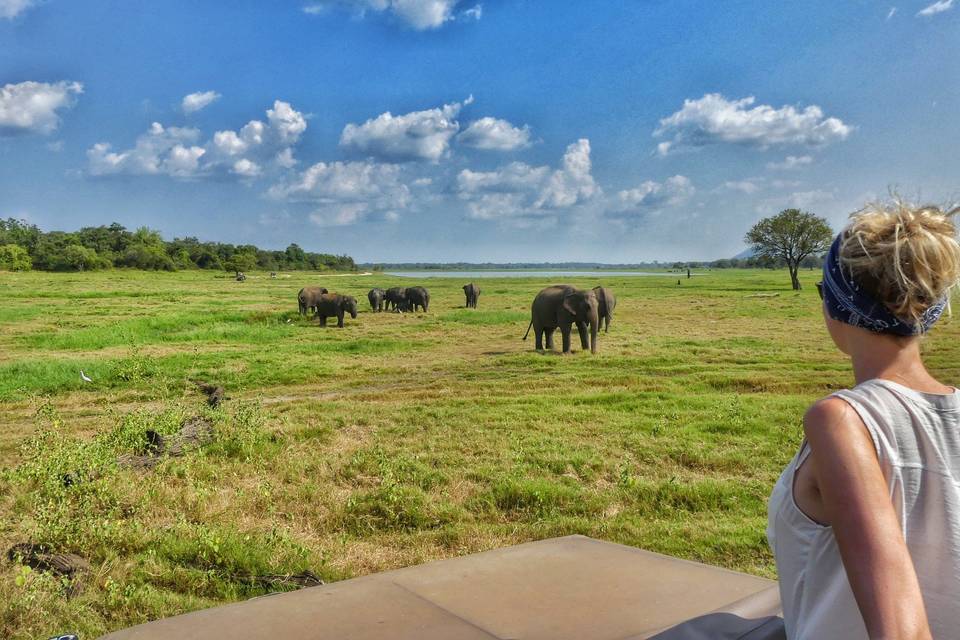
{"points": [[593, 334]]}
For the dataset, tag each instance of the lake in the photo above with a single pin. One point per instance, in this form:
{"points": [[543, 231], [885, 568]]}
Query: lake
{"points": [[519, 273]]}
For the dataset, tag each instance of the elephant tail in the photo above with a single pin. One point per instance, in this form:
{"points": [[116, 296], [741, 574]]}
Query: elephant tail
{"points": [[528, 330]]}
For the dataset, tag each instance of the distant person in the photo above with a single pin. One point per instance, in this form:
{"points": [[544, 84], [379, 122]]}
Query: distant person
{"points": [[865, 520], [688, 274]]}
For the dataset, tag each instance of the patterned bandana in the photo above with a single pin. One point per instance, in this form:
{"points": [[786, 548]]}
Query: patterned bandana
{"points": [[848, 302]]}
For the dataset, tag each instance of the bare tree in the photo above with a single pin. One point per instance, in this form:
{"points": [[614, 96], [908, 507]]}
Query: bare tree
{"points": [[791, 236]]}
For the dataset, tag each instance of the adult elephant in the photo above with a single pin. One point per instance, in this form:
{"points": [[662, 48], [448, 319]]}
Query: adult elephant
{"points": [[334, 304], [606, 303], [396, 297], [417, 297], [376, 298], [472, 292], [564, 306], [307, 298]]}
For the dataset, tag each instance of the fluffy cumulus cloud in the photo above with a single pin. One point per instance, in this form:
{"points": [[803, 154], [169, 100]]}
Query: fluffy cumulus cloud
{"points": [[197, 101], [791, 162], [421, 15], [347, 192], [653, 196], [713, 119], [178, 152], [494, 134], [160, 150], [748, 187], [12, 8], [33, 107], [935, 8], [518, 190], [419, 135]]}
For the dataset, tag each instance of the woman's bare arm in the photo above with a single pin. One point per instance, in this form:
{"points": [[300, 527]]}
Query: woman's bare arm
{"points": [[857, 502]]}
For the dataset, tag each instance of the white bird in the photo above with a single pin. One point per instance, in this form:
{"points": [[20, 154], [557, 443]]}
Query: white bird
{"points": [[289, 320], [85, 377]]}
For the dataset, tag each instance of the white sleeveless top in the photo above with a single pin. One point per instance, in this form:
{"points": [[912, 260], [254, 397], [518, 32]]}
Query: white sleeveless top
{"points": [[917, 438]]}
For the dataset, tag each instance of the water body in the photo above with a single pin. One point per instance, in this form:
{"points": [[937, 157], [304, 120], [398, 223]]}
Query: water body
{"points": [[519, 273]]}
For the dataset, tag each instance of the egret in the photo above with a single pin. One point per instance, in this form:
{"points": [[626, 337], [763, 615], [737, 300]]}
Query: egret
{"points": [[85, 377]]}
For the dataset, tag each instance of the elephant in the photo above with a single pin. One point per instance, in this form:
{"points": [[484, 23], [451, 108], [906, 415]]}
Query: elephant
{"points": [[606, 302], [417, 297], [563, 306], [376, 298], [307, 298], [334, 304], [472, 292], [397, 297]]}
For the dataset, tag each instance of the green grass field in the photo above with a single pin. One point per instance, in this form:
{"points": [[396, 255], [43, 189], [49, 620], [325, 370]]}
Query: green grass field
{"points": [[396, 440]]}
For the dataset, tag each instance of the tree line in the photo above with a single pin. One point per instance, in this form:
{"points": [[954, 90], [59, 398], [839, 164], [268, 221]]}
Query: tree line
{"points": [[24, 246]]}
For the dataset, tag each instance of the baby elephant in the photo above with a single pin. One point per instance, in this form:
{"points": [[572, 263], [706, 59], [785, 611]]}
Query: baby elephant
{"points": [[606, 303], [377, 297], [307, 298], [334, 304]]}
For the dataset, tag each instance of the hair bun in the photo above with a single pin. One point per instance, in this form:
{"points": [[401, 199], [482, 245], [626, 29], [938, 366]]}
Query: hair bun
{"points": [[908, 257]]}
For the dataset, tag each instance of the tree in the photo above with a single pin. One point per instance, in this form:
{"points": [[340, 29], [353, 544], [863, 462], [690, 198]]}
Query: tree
{"points": [[790, 236], [241, 261], [13, 257]]}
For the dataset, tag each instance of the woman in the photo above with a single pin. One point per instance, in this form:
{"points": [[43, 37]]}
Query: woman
{"points": [[865, 520]]}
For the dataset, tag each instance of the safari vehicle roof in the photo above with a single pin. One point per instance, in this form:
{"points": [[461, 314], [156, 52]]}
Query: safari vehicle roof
{"points": [[563, 588]]}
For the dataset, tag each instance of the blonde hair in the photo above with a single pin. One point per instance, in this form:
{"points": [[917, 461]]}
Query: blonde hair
{"points": [[906, 256]]}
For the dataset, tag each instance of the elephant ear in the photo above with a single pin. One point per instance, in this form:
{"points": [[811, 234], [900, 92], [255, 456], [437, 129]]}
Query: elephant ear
{"points": [[570, 303], [465, 287]]}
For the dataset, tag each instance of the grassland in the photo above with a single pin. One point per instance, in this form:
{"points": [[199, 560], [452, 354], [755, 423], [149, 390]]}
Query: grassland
{"points": [[396, 440]]}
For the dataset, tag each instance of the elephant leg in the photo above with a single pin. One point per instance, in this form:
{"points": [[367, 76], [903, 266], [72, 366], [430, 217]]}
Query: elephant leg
{"points": [[340, 319], [565, 332], [584, 340], [549, 331], [323, 321], [538, 334]]}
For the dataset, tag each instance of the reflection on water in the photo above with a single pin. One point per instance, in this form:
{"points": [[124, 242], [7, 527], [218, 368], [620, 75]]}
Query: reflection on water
{"points": [[518, 273]]}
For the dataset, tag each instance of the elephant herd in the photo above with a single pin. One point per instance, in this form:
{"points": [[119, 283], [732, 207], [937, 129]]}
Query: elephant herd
{"points": [[555, 307], [399, 298]]}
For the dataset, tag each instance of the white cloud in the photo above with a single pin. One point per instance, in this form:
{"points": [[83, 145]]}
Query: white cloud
{"points": [[713, 119], [494, 134], [419, 135], [574, 182], [346, 192], [31, 107], [175, 152], [806, 199], [785, 184], [285, 159], [474, 13], [197, 101], [160, 150], [286, 121], [246, 168], [652, 195], [745, 186], [891, 13], [12, 8], [937, 7], [421, 15], [790, 162], [521, 190]]}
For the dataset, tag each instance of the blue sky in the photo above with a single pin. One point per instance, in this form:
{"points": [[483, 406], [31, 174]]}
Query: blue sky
{"points": [[485, 130]]}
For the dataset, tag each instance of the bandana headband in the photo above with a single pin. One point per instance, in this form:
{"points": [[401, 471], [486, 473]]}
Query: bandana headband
{"points": [[848, 302]]}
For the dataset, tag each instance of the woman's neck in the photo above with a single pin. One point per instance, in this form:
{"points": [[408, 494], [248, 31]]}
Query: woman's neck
{"points": [[898, 360]]}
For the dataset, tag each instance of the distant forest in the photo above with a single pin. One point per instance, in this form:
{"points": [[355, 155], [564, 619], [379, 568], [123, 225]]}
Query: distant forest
{"points": [[741, 262], [23, 246]]}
